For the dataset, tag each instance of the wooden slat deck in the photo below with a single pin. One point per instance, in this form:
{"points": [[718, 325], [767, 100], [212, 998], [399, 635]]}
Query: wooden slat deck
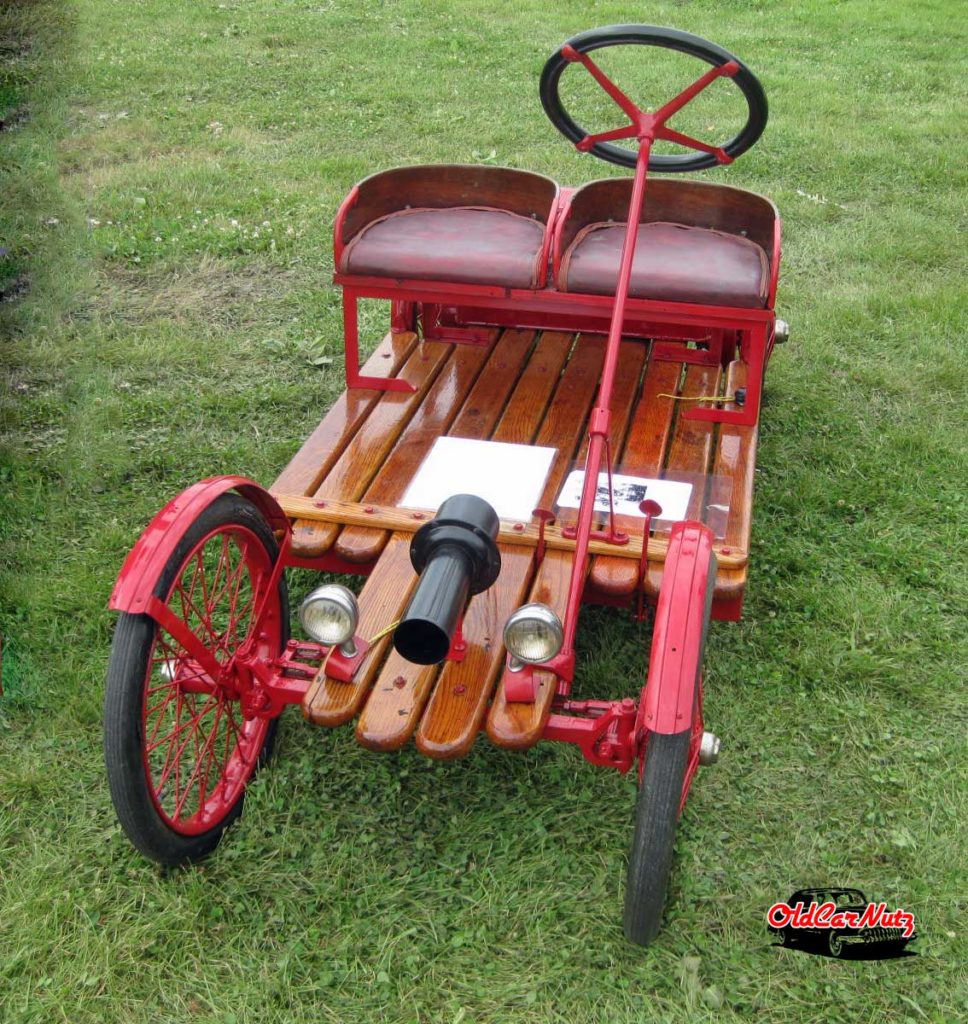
{"points": [[343, 487]]}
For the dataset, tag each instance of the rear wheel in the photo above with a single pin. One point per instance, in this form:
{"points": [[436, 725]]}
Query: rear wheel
{"points": [[178, 750]]}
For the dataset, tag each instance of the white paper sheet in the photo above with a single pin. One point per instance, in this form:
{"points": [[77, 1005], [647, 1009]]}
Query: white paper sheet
{"points": [[510, 477], [671, 495]]}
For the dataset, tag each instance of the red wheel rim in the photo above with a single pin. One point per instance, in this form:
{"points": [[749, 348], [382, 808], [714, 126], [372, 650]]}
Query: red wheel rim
{"points": [[198, 750]]}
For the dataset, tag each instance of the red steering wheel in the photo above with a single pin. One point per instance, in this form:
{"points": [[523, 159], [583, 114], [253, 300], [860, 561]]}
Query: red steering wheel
{"points": [[652, 126]]}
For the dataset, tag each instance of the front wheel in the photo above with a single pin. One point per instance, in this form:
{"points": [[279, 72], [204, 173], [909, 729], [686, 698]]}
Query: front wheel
{"points": [[178, 750], [666, 759]]}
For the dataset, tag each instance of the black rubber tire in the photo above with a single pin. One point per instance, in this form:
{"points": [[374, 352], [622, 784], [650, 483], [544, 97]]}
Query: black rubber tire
{"points": [[131, 647], [656, 819], [672, 39], [835, 944]]}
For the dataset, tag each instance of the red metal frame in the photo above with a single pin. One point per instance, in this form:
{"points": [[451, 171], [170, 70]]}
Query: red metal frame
{"points": [[549, 308]]}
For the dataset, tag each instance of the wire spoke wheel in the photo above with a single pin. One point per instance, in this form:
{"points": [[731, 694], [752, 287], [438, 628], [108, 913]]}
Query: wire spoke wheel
{"points": [[178, 749]]}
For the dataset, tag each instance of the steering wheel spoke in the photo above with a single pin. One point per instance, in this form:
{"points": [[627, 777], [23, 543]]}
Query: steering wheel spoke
{"points": [[671, 135], [643, 124], [688, 94], [574, 56], [630, 131]]}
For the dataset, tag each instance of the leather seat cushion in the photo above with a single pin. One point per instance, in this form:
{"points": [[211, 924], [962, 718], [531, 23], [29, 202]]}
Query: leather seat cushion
{"points": [[673, 262], [467, 245]]}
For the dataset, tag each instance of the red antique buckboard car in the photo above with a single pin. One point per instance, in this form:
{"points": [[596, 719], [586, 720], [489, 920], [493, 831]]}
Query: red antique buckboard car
{"points": [[564, 411]]}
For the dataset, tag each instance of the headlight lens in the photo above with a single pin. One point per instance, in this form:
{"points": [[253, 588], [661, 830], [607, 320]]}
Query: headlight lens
{"points": [[533, 634], [329, 615]]}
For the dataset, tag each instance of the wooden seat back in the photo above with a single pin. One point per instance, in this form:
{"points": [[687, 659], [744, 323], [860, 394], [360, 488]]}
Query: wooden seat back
{"points": [[734, 211], [443, 186]]}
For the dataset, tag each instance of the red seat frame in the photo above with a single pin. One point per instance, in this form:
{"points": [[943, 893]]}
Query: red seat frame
{"points": [[451, 310]]}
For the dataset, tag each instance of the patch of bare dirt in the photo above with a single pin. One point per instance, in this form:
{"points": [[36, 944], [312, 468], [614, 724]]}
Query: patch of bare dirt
{"points": [[210, 291]]}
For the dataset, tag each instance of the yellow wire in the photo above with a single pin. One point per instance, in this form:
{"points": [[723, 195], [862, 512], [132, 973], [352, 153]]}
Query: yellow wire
{"points": [[699, 398], [370, 643], [383, 632]]}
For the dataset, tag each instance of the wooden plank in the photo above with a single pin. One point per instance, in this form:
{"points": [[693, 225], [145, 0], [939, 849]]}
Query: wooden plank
{"points": [[692, 441], [631, 357], [331, 702], [400, 520], [690, 453], [396, 705], [476, 416], [518, 725], [365, 452], [735, 460], [430, 420], [459, 701], [644, 455], [480, 412], [323, 447], [522, 414]]}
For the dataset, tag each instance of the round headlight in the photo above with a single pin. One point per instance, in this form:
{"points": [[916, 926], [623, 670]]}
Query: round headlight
{"points": [[533, 634], [329, 615]]}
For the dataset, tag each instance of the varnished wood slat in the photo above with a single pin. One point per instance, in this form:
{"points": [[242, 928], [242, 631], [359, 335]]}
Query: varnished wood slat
{"points": [[428, 422], [475, 420], [397, 701], [479, 414], [692, 440], [690, 453], [324, 446], [520, 724], [521, 417], [515, 724], [459, 701], [631, 356], [332, 702], [644, 455], [460, 698], [735, 460], [296, 506], [364, 454]]}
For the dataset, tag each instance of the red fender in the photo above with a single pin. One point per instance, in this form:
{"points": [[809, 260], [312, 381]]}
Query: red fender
{"points": [[685, 600], [147, 558]]}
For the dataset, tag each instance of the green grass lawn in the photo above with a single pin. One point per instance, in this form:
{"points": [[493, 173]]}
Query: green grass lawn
{"points": [[168, 204]]}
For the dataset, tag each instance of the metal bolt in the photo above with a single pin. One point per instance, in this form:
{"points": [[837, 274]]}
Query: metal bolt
{"points": [[459, 689], [399, 682], [369, 510], [319, 504], [709, 748], [519, 527]]}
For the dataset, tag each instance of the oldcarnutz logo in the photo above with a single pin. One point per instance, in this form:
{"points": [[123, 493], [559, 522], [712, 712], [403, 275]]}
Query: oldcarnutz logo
{"points": [[826, 915]]}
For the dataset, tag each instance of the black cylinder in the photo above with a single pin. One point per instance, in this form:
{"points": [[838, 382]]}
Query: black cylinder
{"points": [[428, 624], [457, 557]]}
